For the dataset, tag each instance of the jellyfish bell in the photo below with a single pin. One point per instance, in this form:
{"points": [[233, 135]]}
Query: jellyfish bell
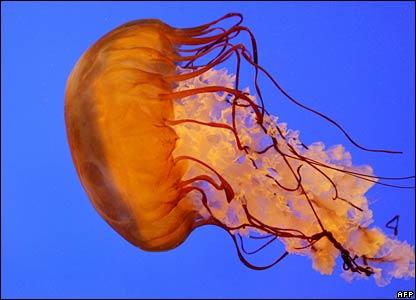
{"points": [[121, 149], [163, 145]]}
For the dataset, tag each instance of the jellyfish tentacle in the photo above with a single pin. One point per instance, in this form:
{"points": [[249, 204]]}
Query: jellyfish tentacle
{"points": [[229, 192], [250, 265], [210, 124], [346, 257], [203, 27], [319, 170], [336, 124], [264, 150], [350, 203], [260, 237], [356, 173], [191, 58], [271, 229], [267, 243], [209, 66], [213, 220], [285, 188], [205, 178], [223, 42], [362, 176], [365, 177]]}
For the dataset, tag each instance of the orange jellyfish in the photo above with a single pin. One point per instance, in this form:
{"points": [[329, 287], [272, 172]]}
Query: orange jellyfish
{"points": [[163, 145]]}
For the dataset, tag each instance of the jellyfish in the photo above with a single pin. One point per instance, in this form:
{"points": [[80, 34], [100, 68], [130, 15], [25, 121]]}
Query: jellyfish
{"points": [[164, 140]]}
